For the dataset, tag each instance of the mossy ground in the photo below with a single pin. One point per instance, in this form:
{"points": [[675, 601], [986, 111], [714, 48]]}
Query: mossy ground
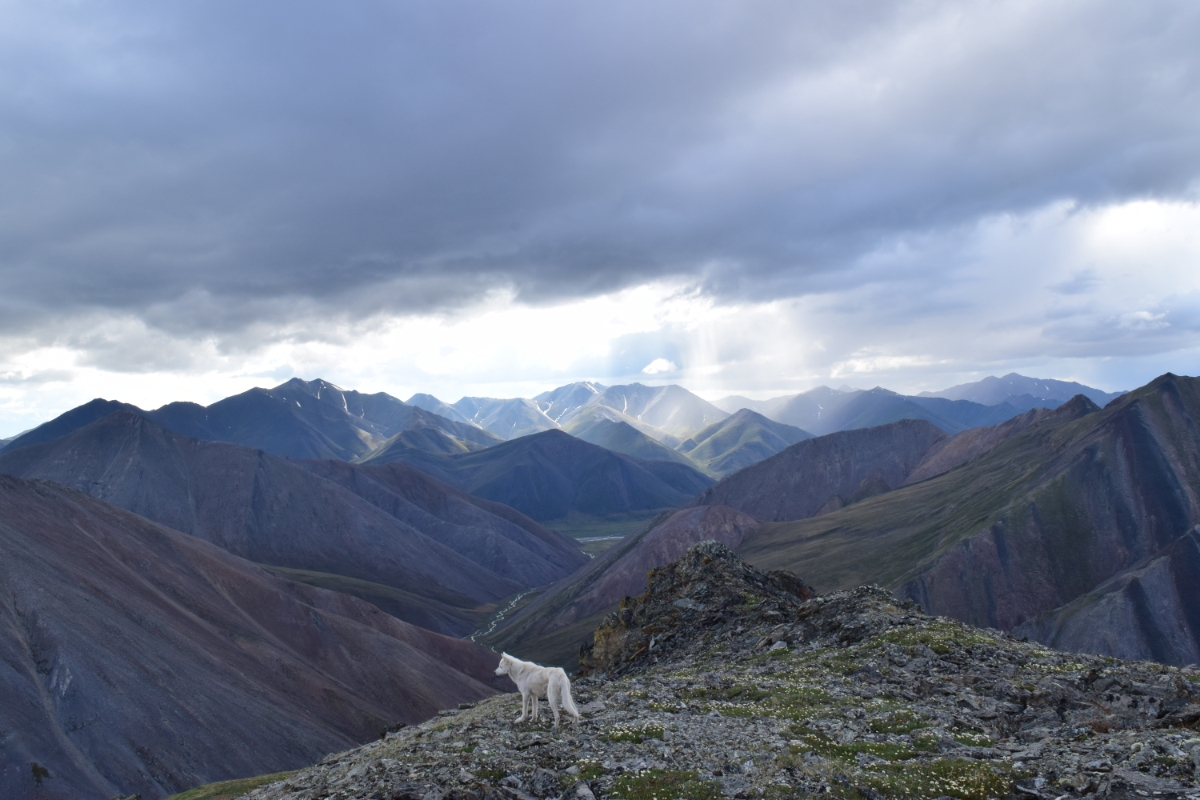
{"points": [[228, 790], [661, 784]]}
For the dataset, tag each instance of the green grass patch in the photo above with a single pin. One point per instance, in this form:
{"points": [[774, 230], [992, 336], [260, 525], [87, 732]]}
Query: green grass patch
{"points": [[663, 784], [667, 707], [227, 790], [586, 526], [635, 733], [490, 774], [810, 741], [926, 742], [972, 739], [902, 721], [738, 691], [945, 777], [746, 700], [940, 637]]}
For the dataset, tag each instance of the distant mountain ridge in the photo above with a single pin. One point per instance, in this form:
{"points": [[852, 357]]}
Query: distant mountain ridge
{"points": [[981, 404], [665, 413], [297, 419], [316, 419], [993, 391]]}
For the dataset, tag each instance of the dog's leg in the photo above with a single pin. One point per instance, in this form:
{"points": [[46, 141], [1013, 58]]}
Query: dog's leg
{"points": [[552, 699], [524, 703]]}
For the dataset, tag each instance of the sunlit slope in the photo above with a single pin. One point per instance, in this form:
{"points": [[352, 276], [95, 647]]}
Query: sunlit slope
{"points": [[738, 441], [620, 437]]}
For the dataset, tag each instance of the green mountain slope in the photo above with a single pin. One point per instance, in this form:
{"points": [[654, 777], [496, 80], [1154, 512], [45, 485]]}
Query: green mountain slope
{"points": [[619, 436], [742, 439]]}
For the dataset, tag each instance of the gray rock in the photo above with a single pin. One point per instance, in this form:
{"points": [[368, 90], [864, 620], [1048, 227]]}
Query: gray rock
{"points": [[744, 722]]}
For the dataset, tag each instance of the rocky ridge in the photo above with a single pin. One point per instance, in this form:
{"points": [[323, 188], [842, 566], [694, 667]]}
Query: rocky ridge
{"points": [[722, 680]]}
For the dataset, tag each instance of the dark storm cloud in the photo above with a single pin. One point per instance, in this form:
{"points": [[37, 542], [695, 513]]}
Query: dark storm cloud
{"points": [[209, 167]]}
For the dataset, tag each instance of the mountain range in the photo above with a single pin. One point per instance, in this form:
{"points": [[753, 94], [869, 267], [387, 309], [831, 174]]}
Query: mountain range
{"points": [[312, 529], [315, 419], [297, 419], [138, 659], [427, 553], [1074, 525], [1019, 390], [1038, 517]]}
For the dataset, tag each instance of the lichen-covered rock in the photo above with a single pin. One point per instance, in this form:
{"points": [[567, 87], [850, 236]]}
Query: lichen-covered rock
{"points": [[709, 589], [753, 690]]}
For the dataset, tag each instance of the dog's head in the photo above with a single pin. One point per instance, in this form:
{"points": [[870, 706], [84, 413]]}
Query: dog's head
{"points": [[505, 663]]}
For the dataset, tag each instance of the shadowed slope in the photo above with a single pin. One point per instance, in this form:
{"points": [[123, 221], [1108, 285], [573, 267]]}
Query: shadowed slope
{"points": [[488, 533], [823, 474], [69, 421], [277, 512], [139, 659], [551, 474], [1150, 612]]}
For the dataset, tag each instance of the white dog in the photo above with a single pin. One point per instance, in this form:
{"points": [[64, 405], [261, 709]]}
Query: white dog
{"points": [[534, 681]]}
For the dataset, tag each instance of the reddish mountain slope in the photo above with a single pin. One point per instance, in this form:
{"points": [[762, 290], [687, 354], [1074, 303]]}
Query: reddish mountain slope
{"points": [[138, 659]]}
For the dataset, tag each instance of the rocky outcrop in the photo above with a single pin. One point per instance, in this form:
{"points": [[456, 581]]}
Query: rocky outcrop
{"points": [[552, 627], [723, 681], [826, 473], [136, 659], [709, 589]]}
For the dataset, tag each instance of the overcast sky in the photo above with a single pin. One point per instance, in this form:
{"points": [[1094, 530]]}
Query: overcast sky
{"points": [[497, 198]]}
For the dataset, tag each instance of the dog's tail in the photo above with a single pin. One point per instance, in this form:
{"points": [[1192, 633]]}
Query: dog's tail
{"points": [[567, 703]]}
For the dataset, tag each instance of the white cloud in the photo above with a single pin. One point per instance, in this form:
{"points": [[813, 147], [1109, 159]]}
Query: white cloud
{"points": [[659, 365]]}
